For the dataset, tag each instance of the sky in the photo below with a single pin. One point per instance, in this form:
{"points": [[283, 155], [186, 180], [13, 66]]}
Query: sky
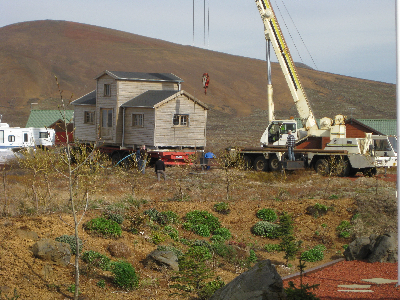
{"points": [[348, 37]]}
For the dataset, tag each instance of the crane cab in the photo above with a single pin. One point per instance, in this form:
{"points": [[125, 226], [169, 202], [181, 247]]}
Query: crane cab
{"points": [[277, 132]]}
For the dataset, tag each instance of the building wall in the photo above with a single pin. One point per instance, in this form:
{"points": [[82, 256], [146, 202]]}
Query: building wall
{"points": [[84, 132], [168, 135], [136, 136]]}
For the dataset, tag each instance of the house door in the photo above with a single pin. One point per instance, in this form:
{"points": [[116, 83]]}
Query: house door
{"points": [[106, 122], [25, 139]]}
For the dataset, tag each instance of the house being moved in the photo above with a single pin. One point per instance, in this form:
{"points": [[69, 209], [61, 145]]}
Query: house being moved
{"points": [[129, 109]]}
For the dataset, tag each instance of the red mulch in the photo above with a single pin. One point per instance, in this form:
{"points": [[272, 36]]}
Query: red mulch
{"points": [[352, 272]]}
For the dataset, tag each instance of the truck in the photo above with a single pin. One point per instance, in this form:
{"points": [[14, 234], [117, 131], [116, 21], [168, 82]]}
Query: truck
{"points": [[326, 148]]}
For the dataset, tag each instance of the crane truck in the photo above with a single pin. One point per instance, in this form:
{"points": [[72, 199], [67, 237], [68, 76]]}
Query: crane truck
{"points": [[325, 147]]}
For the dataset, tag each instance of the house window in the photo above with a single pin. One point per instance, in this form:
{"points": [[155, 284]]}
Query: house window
{"points": [[43, 135], [26, 138], [107, 90], [89, 117], [11, 138], [181, 120], [137, 120]]}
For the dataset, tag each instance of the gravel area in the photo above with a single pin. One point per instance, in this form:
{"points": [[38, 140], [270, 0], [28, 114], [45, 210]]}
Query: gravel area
{"points": [[346, 273]]}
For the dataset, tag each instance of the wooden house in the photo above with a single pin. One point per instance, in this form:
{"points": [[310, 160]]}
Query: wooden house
{"points": [[131, 109]]}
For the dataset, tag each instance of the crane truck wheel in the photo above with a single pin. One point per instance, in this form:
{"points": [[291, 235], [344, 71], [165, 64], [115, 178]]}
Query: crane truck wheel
{"points": [[273, 163], [342, 168], [247, 162], [260, 164], [322, 167]]}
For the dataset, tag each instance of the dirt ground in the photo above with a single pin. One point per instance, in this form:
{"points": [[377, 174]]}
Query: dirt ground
{"points": [[249, 191]]}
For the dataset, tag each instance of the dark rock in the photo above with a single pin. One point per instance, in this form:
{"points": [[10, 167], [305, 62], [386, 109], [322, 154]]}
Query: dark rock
{"points": [[51, 250], [158, 259], [358, 249], [384, 249], [262, 282]]}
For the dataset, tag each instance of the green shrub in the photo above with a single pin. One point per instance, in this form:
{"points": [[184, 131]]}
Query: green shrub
{"points": [[266, 229], [114, 216], [172, 232], [201, 229], [162, 218], [96, 259], [124, 275], [222, 208], [227, 252], [222, 232], [344, 229], [252, 257], [70, 239], [302, 293], [272, 248], [267, 214], [101, 283], [201, 222], [157, 237], [314, 254], [104, 227], [199, 253], [208, 289], [285, 224]]}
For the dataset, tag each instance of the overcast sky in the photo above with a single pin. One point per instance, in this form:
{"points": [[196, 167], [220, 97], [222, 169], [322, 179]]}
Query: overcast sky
{"points": [[348, 37]]}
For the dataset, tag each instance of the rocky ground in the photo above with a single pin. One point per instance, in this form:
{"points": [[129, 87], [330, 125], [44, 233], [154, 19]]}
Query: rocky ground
{"points": [[358, 200]]}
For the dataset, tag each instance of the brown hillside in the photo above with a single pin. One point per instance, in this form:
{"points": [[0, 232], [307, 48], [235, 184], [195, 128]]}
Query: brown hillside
{"points": [[32, 53]]}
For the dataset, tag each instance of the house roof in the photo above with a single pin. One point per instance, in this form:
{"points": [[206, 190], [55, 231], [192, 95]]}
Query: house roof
{"points": [[138, 76], [46, 118], [361, 123], [155, 98], [88, 99]]}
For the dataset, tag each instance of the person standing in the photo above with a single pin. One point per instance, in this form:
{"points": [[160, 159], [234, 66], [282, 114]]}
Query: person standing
{"points": [[142, 159], [160, 169], [290, 143]]}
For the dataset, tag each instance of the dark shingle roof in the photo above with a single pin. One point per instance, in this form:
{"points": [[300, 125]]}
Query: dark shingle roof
{"points": [[45, 118], [138, 76], [149, 98], [88, 99]]}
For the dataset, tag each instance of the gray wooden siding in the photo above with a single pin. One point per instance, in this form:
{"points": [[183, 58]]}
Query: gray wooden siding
{"points": [[166, 134], [139, 135], [109, 102], [84, 132]]}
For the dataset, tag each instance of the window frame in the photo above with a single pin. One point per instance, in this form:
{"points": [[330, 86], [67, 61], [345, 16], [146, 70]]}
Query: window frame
{"points": [[11, 138], [107, 90], [134, 120], [182, 120], [89, 117], [45, 133]]}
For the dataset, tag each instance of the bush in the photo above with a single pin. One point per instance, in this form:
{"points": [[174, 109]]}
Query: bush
{"points": [[266, 229], [172, 232], [225, 251], [199, 253], [222, 208], [201, 222], [272, 248], [104, 227], [124, 275], [176, 251], [267, 214], [70, 239], [344, 229], [208, 289], [114, 216], [314, 254], [96, 259], [224, 233], [162, 218]]}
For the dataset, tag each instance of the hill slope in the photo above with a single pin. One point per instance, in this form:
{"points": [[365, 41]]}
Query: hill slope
{"points": [[32, 53]]}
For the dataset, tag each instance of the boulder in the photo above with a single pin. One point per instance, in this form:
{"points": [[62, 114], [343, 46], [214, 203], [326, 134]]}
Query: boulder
{"points": [[262, 282], [119, 249], [384, 249], [358, 249], [158, 259], [51, 250]]}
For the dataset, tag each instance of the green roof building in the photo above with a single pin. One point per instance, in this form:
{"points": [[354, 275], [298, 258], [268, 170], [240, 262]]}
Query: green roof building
{"points": [[46, 118]]}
